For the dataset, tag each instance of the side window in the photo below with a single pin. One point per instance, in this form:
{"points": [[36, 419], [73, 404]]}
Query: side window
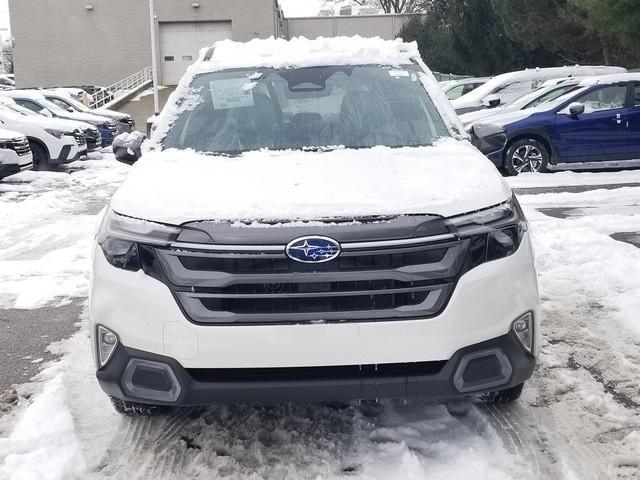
{"points": [[58, 102], [606, 98], [455, 92], [636, 95], [467, 88], [28, 104]]}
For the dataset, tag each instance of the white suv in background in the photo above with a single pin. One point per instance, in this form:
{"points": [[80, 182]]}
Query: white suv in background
{"points": [[313, 223], [504, 89], [52, 141], [15, 154]]}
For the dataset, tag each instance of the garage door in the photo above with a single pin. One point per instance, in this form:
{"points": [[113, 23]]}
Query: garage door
{"points": [[181, 42]]}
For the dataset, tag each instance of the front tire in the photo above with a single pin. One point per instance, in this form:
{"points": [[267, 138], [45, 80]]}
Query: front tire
{"points": [[527, 155], [502, 397], [133, 409], [41, 160]]}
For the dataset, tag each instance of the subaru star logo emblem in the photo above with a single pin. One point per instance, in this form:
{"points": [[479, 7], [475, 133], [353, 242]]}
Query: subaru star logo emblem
{"points": [[313, 249]]}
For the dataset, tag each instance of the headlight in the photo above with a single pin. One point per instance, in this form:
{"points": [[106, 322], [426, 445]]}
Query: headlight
{"points": [[120, 236], [495, 232], [54, 132]]}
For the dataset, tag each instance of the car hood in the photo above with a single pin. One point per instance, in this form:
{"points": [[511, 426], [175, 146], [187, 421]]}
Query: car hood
{"points": [[46, 122], [178, 186], [84, 117], [111, 114], [509, 117], [481, 115], [9, 134]]}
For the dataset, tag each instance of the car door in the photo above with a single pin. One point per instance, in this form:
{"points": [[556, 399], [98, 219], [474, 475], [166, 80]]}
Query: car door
{"points": [[600, 133], [634, 122]]}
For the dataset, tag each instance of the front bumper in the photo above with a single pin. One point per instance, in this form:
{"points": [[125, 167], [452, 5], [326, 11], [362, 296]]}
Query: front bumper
{"points": [[68, 154], [7, 169], [151, 326], [144, 377]]}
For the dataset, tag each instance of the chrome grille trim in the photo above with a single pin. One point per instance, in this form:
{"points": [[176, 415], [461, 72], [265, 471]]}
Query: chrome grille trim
{"points": [[344, 246]]}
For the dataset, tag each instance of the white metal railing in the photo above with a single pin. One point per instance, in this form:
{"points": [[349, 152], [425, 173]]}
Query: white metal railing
{"points": [[121, 88]]}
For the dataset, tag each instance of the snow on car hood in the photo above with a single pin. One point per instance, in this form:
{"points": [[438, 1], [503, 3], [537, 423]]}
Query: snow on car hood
{"points": [[177, 186], [9, 134], [111, 114], [484, 114], [84, 117], [509, 117]]}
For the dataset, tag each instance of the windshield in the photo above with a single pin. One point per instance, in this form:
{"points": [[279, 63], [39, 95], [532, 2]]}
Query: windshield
{"points": [[52, 107], [358, 107], [16, 109], [550, 94], [65, 102]]}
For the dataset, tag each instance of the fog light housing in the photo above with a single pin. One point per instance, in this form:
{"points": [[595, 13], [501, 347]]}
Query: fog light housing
{"points": [[107, 343], [523, 330]]}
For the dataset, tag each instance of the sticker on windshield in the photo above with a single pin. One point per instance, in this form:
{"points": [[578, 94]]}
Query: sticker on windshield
{"points": [[229, 93], [398, 73]]}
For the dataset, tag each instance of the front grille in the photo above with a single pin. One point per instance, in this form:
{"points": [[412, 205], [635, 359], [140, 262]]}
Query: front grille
{"points": [[21, 146], [80, 140], [91, 135], [129, 121], [267, 287], [343, 263]]}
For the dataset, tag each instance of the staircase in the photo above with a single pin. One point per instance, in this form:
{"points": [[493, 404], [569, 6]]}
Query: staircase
{"points": [[108, 96]]}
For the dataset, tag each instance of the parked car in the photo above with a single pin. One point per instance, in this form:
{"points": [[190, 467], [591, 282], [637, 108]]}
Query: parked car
{"points": [[457, 88], [505, 88], [15, 154], [34, 100], [52, 141], [599, 122], [64, 100], [550, 90], [248, 259], [6, 82]]}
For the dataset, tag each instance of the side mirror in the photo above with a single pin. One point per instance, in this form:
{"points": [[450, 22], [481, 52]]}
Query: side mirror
{"points": [[488, 137], [127, 147], [491, 101], [46, 112], [576, 108], [70, 109]]}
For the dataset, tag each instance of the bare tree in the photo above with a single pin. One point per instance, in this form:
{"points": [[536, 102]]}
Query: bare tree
{"points": [[394, 6]]}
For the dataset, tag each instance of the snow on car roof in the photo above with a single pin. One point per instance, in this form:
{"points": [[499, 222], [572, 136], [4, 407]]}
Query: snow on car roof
{"points": [[302, 52], [534, 74], [609, 79]]}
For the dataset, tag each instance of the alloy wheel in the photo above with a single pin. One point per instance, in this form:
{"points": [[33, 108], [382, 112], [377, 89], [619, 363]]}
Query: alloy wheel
{"points": [[527, 158]]}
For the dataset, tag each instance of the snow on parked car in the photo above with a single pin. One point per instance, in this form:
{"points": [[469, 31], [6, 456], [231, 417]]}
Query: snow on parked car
{"points": [[503, 89], [313, 224], [15, 154], [594, 125]]}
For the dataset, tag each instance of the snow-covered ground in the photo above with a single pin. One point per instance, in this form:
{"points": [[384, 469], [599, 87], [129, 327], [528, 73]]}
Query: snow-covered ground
{"points": [[579, 418]]}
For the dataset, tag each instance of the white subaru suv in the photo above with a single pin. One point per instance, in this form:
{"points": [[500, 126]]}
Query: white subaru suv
{"points": [[310, 221]]}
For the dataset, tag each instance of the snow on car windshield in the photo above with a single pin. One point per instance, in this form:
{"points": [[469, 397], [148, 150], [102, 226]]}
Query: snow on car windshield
{"points": [[355, 106]]}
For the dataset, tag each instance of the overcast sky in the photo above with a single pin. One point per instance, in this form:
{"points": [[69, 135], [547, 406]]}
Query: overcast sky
{"points": [[299, 8]]}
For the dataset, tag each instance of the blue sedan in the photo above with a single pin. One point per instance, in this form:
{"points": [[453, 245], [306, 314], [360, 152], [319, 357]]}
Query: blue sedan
{"points": [[598, 122]]}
